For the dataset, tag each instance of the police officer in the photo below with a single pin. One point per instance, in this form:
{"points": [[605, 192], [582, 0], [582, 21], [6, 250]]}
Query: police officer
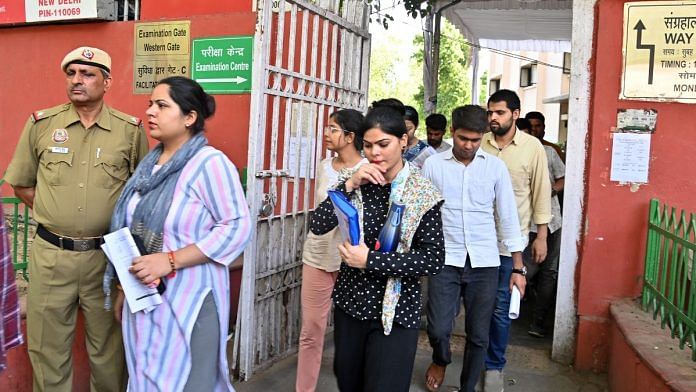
{"points": [[70, 166]]}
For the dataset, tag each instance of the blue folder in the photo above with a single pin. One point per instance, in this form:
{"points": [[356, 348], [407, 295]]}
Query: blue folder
{"points": [[347, 214]]}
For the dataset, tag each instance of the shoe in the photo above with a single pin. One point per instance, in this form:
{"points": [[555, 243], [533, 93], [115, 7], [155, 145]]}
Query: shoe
{"points": [[494, 381], [536, 330]]}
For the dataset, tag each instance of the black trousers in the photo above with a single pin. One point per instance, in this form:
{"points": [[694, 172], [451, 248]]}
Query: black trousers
{"points": [[367, 360]]}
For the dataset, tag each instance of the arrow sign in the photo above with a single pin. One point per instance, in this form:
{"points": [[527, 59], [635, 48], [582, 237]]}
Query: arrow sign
{"points": [[236, 80], [223, 65], [639, 45]]}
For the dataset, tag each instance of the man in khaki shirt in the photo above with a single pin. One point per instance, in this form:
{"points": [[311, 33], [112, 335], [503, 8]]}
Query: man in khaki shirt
{"points": [[70, 166], [525, 159]]}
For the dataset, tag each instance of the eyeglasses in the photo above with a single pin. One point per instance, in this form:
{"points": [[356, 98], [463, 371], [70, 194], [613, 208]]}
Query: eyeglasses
{"points": [[332, 129]]}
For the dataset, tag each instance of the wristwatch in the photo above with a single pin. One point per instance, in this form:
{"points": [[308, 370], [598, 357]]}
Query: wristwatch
{"points": [[522, 271]]}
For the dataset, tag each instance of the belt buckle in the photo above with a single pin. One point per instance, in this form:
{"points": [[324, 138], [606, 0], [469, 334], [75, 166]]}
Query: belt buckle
{"points": [[82, 245]]}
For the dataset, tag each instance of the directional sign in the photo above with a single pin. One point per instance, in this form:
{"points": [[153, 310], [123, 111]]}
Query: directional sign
{"points": [[659, 63], [222, 65]]}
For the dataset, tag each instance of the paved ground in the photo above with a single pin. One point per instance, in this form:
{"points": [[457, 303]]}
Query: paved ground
{"points": [[529, 369]]}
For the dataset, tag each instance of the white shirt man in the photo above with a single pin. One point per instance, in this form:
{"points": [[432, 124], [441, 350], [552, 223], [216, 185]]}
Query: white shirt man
{"points": [[476, 187]]}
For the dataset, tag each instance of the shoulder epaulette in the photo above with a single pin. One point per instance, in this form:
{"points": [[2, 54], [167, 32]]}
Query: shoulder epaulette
{"points": [[50, 112], [126, 117]]}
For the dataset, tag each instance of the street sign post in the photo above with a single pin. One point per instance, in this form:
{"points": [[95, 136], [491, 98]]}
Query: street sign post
{"points": [[222, 65], [659, 63]]}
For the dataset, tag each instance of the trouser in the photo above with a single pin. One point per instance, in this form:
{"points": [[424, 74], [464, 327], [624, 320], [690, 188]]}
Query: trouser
{"points": [[367, 360], [477, 288], [546, 275], [62, 281], [317, 286], [205, 349], [500, 322]]}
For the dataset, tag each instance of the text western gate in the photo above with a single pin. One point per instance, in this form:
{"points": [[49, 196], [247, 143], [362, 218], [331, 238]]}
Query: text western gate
{"points": [[310, 59]]}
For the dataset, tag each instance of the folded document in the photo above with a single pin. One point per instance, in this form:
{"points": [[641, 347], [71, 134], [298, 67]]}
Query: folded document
{"points": [[121, 249]]}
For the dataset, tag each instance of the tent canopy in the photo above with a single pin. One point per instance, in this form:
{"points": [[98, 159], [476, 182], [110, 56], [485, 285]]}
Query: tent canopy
{"points": [[518, 25]]}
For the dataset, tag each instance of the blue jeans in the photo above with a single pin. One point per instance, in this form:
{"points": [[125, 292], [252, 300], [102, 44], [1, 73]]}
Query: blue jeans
{"points": [[500, 323], [477, 288]]}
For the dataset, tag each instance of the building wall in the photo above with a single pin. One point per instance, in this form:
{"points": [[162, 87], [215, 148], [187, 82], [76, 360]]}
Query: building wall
{"points": [[154, 9], [613, 247], [551, 82], [32, 78]]}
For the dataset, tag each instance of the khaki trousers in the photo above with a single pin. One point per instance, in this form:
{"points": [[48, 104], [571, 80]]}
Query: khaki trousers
{"points": [[317, 286], [60, 281]]}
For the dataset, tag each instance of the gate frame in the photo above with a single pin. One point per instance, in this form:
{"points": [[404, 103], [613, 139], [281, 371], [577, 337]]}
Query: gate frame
{"points": [[245, 335]]}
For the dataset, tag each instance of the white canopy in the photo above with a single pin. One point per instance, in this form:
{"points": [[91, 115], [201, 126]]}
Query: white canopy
{"points": [[515, 25]]}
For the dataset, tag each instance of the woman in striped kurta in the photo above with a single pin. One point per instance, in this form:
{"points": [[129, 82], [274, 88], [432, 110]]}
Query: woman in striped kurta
{"points": [[181, 344]]}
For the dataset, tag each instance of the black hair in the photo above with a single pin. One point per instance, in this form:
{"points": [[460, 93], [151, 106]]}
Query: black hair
{"points": [[508, 96], [411, 114], [386, 119], [470, 117], [391, 103], [190, 97], [350, 120], [523, 124], [536, 116], [436, 121]]}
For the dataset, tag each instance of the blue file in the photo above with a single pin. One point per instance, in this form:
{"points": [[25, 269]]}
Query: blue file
{"points": [[388, 240], [347, 214]]}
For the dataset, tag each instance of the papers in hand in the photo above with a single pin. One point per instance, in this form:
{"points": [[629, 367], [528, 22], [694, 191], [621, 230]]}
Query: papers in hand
{"points": [[347, 214], [120, 248], [515, 297]]}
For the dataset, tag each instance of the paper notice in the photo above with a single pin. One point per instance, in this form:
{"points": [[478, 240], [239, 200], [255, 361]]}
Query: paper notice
{"points": [[630, 157], [120, 248], [515, 298]]}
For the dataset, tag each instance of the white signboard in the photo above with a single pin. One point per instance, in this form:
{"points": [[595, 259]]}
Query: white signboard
{"points": [[50, 10], [659, 56]]}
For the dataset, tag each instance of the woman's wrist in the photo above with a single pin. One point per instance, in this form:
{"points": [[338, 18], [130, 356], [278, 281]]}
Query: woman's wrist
{"points": [[172, 264], [349, 185]]}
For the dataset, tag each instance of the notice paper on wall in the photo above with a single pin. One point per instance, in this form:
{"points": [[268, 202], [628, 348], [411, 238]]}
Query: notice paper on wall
{"points": [[630, 157]]}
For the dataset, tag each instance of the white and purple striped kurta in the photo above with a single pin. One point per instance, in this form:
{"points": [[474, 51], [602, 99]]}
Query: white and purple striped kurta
{"points": [[208, 209]]}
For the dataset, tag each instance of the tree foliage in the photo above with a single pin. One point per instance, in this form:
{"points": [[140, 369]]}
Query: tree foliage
{"points": [[379, 9], [454, 85], [393, 71]]}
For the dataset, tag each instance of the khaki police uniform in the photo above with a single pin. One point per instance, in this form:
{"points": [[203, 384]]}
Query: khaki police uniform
{"points": [[78, 175]]}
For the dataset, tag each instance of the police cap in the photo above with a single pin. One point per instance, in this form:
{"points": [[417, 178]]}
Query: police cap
{"points": [[88, 56]]}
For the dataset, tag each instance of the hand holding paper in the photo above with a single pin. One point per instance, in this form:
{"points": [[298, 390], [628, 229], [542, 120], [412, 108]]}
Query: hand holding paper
{"points": [[515, 298], [121, 249]]}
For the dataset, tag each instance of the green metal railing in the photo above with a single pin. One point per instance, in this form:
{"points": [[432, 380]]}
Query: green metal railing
{"points": [[670, 278], [19, 218]]}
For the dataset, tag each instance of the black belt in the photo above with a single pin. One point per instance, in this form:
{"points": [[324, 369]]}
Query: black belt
{"points": [[74, 244]]}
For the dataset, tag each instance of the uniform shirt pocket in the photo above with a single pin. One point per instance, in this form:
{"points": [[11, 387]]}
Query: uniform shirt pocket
{"points": [[112, 170], [55, 167]]}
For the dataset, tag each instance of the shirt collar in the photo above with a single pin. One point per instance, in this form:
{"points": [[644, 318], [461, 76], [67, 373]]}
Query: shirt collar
{"points": [[103, 120], [449, 155], [515, 139]]}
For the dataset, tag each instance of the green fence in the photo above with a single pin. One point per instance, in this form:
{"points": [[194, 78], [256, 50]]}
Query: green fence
{"points": [[669, 289], [19, 231]]}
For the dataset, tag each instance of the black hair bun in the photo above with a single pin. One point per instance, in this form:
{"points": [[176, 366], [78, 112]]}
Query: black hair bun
{"points": [[210, 105]]}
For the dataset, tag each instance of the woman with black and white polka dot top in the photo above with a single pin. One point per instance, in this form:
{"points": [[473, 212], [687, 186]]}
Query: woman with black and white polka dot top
{"points": [[373, 354]]}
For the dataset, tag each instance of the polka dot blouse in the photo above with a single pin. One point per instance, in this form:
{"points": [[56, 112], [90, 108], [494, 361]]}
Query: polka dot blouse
{"points": [[360, 292]]}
